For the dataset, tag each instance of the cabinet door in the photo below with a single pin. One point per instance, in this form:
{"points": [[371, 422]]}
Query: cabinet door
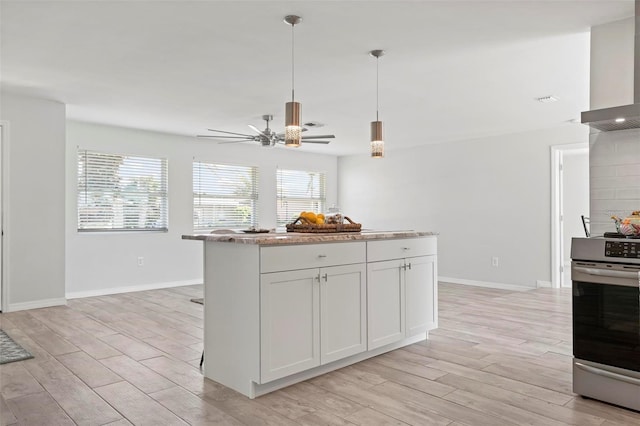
{"points": [[342, 311], [385, 303], [421, 294], [289, 323]]}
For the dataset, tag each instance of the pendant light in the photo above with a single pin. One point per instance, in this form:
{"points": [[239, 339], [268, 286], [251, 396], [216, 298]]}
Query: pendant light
{"points": [[377, 138], [292, 129]]}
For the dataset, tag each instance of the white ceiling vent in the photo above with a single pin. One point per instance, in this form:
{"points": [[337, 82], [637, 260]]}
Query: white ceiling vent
{"points": [[313, 124], [547, 99]]}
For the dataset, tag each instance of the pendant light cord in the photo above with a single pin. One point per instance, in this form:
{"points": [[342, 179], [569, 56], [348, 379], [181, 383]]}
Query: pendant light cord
{"points": [[377, 87], [293, 72]]}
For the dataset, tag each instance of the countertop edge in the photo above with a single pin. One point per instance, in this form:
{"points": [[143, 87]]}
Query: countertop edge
{"points": [[306, 238]]}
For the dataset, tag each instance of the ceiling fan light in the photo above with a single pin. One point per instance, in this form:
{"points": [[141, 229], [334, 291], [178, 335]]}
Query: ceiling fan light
{"points": [[292, 129], [377, 140], [292, 136]]}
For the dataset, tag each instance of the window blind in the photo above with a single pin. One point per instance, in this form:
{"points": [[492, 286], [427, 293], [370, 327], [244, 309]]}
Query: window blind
{"points": [[298, 191], [121, 192], [224, 196]]}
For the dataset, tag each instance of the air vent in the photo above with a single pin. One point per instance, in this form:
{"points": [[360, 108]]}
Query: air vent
{"points": [[547, 99], [313, 124]]}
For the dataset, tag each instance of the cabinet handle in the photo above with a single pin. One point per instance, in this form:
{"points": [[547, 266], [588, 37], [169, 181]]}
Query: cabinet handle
{"points": [[406, 248], [403, 267], [409, 265], [325, 277], [317, 277], [322, 256]]}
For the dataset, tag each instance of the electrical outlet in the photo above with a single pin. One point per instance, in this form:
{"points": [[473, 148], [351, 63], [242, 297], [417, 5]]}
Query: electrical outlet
{"points": [[140, 261], [494, 261]]}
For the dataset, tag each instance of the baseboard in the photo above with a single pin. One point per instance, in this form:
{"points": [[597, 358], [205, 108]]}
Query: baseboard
{"points": [[543, 284], [484, 284], [130, 289], [36, 304]]}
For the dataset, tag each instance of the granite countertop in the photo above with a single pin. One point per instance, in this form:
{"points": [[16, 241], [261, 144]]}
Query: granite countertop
{"points": [[276, 238]]}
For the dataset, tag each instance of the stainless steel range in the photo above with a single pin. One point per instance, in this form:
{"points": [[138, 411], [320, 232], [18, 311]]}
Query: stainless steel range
{"points": [[605, 273]]}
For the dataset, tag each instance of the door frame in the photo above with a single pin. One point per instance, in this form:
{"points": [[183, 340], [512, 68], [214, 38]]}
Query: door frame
{"points": [[557, 229], [4, 186]]}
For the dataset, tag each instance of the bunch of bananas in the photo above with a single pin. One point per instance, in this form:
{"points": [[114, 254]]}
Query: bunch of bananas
{"points": [[311, 217]]}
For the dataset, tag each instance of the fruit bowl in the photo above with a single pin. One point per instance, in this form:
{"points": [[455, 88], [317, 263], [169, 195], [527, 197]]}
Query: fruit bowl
{"points": [[630, 225], [303, 224]]}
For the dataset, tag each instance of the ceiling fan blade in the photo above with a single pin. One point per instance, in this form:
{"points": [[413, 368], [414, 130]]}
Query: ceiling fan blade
{"points": [[255, 129], [224, 136], [230, 133], [241, 140], [319, 137]]}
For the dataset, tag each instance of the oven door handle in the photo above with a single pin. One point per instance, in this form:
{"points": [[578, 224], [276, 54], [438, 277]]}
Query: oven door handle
{"points": [[608, 374], [608, 273]]}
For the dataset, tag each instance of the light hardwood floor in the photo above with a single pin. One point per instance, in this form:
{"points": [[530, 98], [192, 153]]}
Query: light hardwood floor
{"points": [[498, 358]]}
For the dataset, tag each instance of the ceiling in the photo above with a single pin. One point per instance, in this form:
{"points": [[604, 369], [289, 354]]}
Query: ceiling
{"points": [[453, 69]]}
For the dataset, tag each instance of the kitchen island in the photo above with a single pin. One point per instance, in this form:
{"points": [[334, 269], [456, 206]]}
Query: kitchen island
{"points": [[280, 308]]}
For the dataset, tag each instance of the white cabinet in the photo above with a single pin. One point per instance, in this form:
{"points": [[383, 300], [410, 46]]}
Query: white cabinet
{"points": [[401, 293], [421, 291], [289, 323], [343, 312], [385, 303], [311, 317], [277, 314]]}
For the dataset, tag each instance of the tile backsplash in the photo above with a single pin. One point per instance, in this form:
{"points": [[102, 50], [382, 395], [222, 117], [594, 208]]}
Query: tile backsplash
{"points": [[614, 177]]}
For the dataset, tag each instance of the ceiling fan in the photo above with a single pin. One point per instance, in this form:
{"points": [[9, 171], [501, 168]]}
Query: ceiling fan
{"points": [[266, 137]]}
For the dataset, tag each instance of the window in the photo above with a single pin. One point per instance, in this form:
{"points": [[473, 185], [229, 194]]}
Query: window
{"points": [[121, 192], [299, 191], [224, 196]]}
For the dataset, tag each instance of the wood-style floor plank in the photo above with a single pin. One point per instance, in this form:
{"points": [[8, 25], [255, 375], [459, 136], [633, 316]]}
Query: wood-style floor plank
{"points": [[181, 373], [192, 409], [505, 412], [514, 399], [6, 416], [404, 378], [38, 409], [131, 347], [15, 381], [499, 358], [321, 399], [88, 369], [136, 406], [78, 400], [367, 416], [251, 412], [393, 406], [145, 379]]}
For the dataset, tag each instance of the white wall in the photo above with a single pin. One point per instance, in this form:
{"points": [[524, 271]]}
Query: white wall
{"points": [[100, 263], [614, 168], [486, 197], [34, 202]]}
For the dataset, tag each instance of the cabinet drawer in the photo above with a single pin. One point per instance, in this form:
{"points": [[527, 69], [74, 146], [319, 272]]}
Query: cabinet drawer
{"points": [[287, 258], [397, 249]]}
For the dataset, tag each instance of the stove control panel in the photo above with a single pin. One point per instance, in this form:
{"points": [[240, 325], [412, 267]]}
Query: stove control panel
{"points": [[627, 249]]}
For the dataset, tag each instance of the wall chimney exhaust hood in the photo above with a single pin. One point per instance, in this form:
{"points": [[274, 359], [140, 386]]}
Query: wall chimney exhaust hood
{"points": [[626, 116]]}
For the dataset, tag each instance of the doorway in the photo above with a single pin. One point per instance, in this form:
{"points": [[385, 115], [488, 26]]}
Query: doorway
{"points": [[570, 200]]}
